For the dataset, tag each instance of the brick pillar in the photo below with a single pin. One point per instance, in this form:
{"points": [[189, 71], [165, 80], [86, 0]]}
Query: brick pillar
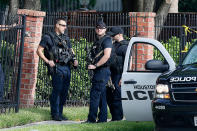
{"points": [[34, 23], [143, 23]]}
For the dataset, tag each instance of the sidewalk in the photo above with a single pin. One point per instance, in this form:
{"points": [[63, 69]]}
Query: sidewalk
{"points": [[50, 122], [42, 123]]}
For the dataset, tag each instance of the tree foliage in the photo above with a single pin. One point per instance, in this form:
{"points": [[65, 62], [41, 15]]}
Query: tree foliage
{"points": [[3, 4], [187, 5], [142, 5], [128, 5]]}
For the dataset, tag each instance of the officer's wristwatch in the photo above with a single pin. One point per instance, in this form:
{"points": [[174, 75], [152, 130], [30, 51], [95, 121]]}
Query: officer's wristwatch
{"points": [[74, 59]]}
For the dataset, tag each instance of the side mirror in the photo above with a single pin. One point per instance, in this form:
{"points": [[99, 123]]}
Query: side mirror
{"points": [[156, 65]]}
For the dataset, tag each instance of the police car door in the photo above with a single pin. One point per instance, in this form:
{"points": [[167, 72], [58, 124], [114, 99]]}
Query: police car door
{"points": [[138, 84]]}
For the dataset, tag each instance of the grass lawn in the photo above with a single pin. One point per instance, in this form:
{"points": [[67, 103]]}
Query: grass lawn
{"points": [[109, 126], [31, 115]]}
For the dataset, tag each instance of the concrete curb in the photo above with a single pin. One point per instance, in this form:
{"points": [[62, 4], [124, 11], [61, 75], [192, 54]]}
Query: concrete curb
{"points": [[50, 122], [43, 123]]}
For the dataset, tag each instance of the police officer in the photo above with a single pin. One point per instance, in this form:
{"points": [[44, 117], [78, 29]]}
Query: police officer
{"points": [[101, 74], [57, 55], [116, 68]]}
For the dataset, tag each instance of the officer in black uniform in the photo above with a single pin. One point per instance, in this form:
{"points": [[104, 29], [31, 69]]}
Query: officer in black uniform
{"points": [[116, 68], [56, 51], [102, 46]]}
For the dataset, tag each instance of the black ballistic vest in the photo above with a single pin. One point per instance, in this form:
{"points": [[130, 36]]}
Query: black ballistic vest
{"points": [[59, 52], [118, 59], [98, 49]]}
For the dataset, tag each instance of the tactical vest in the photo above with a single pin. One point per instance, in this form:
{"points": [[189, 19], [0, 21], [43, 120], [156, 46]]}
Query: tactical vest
{"points": [[118, 60], [97, 49], [59, 52]]}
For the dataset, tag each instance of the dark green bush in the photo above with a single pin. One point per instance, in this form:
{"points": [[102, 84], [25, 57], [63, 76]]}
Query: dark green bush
{"points": [[173, 46], [8, 61], [80, 81]]}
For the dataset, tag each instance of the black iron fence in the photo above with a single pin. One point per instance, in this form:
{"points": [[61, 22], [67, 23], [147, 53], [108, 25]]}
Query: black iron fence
{"points": [[11, 53], [177, 33], [81, 32]]}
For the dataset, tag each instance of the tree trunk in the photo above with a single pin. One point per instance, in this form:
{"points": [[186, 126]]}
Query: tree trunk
{"points": [[13, 8], [140, 5], [174, 6], [5, 16], [162, 14], [32, 4], [148, 5], [164, 8]]}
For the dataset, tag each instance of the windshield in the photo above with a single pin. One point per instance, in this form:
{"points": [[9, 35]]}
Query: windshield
{"points": [[191, 56]]}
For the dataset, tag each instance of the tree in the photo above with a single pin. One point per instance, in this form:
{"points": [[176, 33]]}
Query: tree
{"points": [[160, 7], [174, 6], [14, 6], [148, 5], [187, 5], [32, 4]]}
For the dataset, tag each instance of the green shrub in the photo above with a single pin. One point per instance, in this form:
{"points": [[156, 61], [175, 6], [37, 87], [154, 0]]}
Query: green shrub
{"points": [[173, 46], [80, 80], [7, 52], [8, 63]]}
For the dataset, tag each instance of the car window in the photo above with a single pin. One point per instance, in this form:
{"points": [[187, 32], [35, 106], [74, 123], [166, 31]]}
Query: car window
{"points": [[140, 54], [191, 56]]}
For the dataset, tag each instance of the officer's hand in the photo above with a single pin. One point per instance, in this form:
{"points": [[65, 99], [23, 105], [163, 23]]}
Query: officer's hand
{"points": [[75, 63], [120, 82], [51, 63], [91, 67]]}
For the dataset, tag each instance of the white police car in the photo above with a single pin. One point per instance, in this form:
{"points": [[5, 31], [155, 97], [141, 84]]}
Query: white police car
{"points": [[154, 89]]}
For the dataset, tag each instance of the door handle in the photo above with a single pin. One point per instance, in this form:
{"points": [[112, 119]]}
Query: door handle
{"points": [[130, 82]]}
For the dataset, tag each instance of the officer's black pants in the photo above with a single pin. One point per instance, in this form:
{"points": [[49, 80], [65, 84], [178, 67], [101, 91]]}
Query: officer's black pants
{"points": [[114, 99], [61, 84], [98, 95]]}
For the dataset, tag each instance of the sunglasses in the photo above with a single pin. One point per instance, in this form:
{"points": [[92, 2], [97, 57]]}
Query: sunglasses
{"points": [[100, 28], [62, 25]]}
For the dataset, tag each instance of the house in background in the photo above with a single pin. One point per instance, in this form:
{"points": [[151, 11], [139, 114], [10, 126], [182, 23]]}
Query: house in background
{"points": [[108, 5]]}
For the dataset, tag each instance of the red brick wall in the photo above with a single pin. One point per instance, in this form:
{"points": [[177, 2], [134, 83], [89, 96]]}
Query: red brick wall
{"points": [[144, 22], [34, 23]]}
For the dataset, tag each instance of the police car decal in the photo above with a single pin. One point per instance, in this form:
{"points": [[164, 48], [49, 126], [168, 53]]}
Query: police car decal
{"points": [[141, 92], [182, 79]]}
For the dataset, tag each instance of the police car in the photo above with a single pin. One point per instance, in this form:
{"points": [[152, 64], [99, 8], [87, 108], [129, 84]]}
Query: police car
{"points": [[159, 91]]}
